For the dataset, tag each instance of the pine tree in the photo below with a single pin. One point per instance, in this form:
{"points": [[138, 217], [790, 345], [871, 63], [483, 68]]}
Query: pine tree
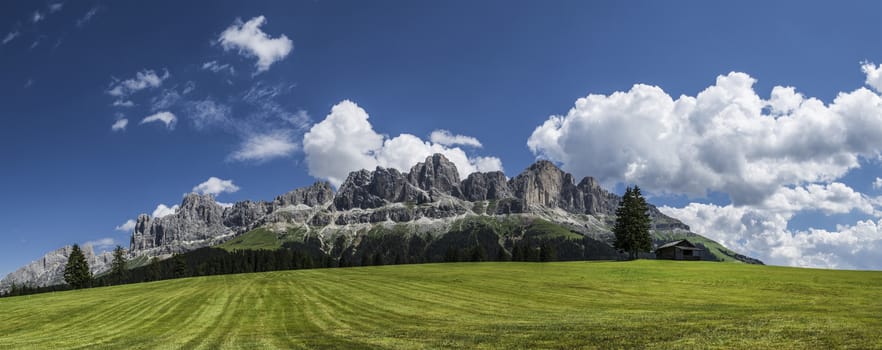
{"points": [[632, 224], [76, 272], [119, 266], [180, 266]]}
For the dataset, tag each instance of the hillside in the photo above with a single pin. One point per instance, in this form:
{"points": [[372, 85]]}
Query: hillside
{"points": [[417, 216], [643, 304]]}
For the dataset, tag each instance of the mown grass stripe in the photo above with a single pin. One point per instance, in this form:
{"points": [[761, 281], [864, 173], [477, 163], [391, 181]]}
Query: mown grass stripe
{"points": [[643, 304]]}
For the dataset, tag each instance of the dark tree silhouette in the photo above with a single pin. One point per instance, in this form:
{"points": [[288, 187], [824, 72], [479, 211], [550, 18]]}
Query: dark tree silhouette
{"points": [[76, 272], [632, 224]]}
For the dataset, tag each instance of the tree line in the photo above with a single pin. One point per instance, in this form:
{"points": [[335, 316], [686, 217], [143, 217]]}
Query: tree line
{"points": [[631, 231]]}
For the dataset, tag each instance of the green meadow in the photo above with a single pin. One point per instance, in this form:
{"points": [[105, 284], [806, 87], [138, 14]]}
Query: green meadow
{"points": [[641, 304]]}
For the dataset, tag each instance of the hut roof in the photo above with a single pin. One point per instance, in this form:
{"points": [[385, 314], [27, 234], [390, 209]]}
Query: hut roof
{"points": [[682, 244]]}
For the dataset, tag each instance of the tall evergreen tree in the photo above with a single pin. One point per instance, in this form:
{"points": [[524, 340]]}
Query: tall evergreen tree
{"points": [[76, 272], [119, 266], [632, 224]]}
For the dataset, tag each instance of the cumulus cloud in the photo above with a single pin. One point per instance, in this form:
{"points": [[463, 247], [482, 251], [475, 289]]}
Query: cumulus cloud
{"points": [[166, 118], [761, 230], [445, 138], [55, 7], [10, 36], [877, 183], [721, 140], [144, 79], [37, 16], [127, 226], [119, 125], [101, 244], [774, 157], [163, 210], [250, 41], [263, 147], [216, 186], [874, 75], [345, 141]]}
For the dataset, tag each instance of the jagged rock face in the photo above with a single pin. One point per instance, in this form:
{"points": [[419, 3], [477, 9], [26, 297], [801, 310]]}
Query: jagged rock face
{"points": [[486, 186], [317, 194], [431, 192], [436, 173], [243, 214], [49, 270], [544, 184], [199, 222], [356, 192], [373, 189]]}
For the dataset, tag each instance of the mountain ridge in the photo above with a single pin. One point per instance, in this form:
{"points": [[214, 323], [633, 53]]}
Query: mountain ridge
{"points": [[430, 198]]}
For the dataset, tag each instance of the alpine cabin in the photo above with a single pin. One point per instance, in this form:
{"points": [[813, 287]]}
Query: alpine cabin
{"points": [[678, 250]]}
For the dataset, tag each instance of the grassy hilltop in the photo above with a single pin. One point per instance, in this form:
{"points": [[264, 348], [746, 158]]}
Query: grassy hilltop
{"points": [[642, 304]]}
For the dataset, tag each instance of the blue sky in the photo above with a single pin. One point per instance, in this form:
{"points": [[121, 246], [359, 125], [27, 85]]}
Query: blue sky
{"points": [[251, 87]]}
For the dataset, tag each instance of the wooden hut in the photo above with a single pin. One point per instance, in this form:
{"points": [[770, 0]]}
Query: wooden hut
{"points": [[678, 250]]}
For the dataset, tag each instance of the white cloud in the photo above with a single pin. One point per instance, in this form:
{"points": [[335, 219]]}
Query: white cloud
{"points": [[10, 36], [127, 226], [119, 125], [345, 141], [874, 75], [263, 147], [37, 16], [215, 67], [164, 100], [87, 16], [761, 233], [144, 79], [166, 118], [123, 103], [29, 83], [55, 7], [250, 41], [163, 210], [445, 138], [101, 244], [208, 113], [216, 186], [877, 183], [720, 140]]}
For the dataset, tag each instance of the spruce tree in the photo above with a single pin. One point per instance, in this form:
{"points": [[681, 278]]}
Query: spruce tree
{"points": [[76, 272], [119, 266], [632, 224]]}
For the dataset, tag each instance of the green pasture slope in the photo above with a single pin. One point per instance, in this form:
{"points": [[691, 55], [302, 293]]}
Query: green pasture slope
{"points": [[642, 304]]}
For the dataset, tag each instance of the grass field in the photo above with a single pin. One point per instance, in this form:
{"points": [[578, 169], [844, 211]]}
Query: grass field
{"points": [[642, 304], [259, 238]]}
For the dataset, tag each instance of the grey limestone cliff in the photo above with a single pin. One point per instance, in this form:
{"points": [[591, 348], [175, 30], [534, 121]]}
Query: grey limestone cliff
{"points": [[428, 196], [198, 222], [49, 269]]}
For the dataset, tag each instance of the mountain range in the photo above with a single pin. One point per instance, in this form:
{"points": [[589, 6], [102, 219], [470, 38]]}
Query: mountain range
{"points": [[419, 215]]}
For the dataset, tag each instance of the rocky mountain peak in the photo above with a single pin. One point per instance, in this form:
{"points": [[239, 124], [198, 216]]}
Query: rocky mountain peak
{"points": [[486, 186], [319, 193], [197, 222], [49, 270], [436, 173]]}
